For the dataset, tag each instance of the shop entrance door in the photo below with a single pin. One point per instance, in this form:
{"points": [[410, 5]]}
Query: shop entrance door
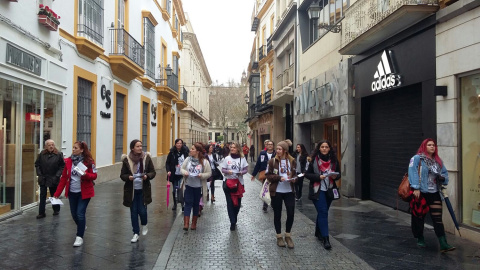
{"points": [[332, 133]]}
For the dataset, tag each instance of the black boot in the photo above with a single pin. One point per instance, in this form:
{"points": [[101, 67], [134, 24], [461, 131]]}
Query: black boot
{"points": [[317, 231], [174, 202], [326, 243]]}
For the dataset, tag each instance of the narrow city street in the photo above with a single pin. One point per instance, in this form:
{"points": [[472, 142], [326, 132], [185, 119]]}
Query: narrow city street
{"points": [[364, 235]]}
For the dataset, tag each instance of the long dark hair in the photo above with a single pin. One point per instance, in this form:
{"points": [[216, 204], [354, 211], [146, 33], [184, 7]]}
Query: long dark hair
{"points": [[303, 149], [87, 156], [331, 154]]}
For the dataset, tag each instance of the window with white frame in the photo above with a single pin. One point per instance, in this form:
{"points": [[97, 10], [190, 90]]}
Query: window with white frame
{"points": [[331, 13], [90, 20]]}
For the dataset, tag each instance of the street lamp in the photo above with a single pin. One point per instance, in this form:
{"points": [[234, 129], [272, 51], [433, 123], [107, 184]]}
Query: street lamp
{"points": [[168, 71], [314, 11], [246, 98]]}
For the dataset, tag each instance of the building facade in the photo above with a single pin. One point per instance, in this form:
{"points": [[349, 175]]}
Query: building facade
{"points": [[85, 74], [324, 104], [196, 82], [458, 109]]}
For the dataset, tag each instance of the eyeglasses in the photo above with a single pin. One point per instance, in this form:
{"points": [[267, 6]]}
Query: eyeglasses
{"points": [[269, 143]]}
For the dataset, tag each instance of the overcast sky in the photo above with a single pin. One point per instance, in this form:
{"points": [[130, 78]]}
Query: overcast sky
{"points": [[223, 31]]}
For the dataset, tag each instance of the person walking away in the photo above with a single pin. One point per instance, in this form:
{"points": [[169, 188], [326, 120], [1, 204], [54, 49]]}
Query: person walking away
{"points": [[281, 174], [226, 149], [216, 174], [137, 171], [234, 166], [196, 170], [261, 165], [174, 162], [77, 179], [301, 168], [49, 166], [252, 153], [426, 192], [322, 172]]}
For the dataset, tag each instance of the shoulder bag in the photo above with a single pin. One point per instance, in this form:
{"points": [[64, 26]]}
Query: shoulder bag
{"points": [[404, 188]]}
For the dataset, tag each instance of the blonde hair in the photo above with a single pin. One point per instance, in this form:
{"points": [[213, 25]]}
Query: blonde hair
{"points": [[239, 148]]}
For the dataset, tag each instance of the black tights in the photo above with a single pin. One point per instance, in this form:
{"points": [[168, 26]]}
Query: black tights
{"points": [[435, 203], [289, 199]]}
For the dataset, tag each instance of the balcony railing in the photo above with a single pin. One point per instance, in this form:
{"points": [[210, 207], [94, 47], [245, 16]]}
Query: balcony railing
{"points": [[288, 75], [172, 82], [269, 44], [279, 82], [366, 14], [261, 52], [263, 100], [94, 34], [185, 95], [122, 43]]}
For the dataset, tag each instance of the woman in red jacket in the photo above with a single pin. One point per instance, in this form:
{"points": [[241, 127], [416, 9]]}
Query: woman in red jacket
{"points": [[77, 179]]}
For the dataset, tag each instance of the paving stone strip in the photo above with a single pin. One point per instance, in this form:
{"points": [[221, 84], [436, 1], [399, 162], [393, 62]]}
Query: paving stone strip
{"points": [[253, 244]]}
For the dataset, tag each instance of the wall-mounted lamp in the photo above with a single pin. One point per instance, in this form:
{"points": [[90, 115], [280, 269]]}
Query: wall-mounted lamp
{"points": [[168, 71], [246, 98], [314, 11], [331, 28], [441, 91]]}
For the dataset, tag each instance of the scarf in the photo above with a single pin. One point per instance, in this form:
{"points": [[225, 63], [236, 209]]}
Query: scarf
{"points": [[194, 161], [324, 164], [136, 159], [235, 155], [431, 163], [76, 159]]}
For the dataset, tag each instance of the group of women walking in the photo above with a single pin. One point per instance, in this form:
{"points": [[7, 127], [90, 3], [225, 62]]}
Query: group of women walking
{"points": [[193, 176]]}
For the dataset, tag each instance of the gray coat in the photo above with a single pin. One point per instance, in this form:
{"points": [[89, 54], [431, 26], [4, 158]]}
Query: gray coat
{"points": [[49, 168]]}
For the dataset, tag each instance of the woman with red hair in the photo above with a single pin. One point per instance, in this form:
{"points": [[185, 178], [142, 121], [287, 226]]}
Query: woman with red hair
{"points": [[77, 179], [427, 174]]}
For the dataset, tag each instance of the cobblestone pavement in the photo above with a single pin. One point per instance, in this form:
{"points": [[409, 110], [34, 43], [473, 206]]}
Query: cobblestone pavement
{"points": [[30, 243], [253, 244]]}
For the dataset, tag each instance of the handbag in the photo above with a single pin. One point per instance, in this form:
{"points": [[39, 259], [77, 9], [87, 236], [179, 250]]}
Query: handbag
{"points": [[261, 176], [265, 193], [404, 188], [180, 197], [333, 192]]}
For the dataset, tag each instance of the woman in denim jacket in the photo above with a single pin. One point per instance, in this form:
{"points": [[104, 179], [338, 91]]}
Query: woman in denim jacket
{"points": [[426, 190]]}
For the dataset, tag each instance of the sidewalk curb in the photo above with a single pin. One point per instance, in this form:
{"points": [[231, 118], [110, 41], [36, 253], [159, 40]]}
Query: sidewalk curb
{"points": [[167, 248]]}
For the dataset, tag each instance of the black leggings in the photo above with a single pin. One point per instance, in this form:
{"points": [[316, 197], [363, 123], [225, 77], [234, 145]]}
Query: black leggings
{"points": [[212, 187], [435, 203], [289, 199]]}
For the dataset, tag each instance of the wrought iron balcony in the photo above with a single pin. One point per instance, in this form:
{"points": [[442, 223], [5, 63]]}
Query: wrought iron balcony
{"points": [[369, 22], [122, 43], [261, 52], [185, 95], [269, 44], [263, 100], [172, 82]]}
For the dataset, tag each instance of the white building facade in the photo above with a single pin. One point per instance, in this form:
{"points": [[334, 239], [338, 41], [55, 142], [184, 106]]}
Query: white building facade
{"points": [[77, 71]]}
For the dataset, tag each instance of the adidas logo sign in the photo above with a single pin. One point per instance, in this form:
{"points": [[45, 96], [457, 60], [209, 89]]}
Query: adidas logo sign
{"points": [[384, 77]]}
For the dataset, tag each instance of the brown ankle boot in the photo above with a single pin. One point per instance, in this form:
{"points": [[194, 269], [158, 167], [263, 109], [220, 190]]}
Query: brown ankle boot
{"points": [[280, 241], [288, 239], [194, 223], [186, 223]]}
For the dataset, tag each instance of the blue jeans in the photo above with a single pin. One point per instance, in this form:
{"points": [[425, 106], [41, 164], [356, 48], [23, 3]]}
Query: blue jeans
{"points": [[322, 205], [138, 208], [192, 200], [78, 208]]}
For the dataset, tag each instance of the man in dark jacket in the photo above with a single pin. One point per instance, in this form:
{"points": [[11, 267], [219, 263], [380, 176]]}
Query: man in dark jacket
{"points": [[49, 166], [178, 153], [262, 162]]}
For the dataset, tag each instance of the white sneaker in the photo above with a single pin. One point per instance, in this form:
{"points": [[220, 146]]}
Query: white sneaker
{"points": [[135, 238], [144, 230], [78, 241]]}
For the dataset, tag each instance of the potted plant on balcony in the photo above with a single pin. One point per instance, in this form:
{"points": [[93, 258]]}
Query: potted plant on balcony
{"points": [[48, 18]]}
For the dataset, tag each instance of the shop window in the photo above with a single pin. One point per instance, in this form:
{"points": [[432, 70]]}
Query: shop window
{"points": [[84, 111], [470, 113], [90, 20], [145, 126]]}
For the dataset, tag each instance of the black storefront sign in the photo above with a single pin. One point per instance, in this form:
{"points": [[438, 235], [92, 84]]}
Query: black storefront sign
{"points": [[23, 60], [395, 109]]}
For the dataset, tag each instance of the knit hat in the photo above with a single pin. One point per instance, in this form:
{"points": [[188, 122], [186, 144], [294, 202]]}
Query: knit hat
{"points": [[285, 144]]}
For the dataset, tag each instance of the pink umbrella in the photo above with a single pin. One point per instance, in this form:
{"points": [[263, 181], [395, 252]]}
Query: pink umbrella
{"points": [[168, 191]]}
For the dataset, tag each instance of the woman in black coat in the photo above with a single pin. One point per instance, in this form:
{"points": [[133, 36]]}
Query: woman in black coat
{"points": [[174, 162], [252, 153], [301, 159]]}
